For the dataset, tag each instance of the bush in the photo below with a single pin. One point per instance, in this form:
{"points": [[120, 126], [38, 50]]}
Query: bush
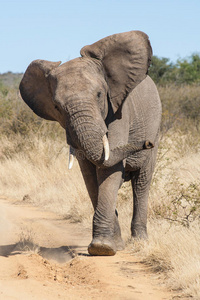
{"points": [[188, 70], [161, 70], [17, 118]]}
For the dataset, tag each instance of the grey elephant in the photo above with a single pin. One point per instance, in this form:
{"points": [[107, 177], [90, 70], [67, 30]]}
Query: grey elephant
{"points": [[111, 111]]}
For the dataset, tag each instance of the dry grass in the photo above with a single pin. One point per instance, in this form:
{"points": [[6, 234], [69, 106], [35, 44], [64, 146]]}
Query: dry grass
{"points": [[26, 242], [175, 191], [181, 107], [39, 174], [174, 252]]}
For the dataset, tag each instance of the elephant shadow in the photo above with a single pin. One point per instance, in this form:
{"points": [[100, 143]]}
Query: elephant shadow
{"points": [[60, 254]]}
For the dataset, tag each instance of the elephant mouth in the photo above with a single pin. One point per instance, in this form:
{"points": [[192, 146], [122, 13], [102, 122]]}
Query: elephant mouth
{"points": [[106, 151]]}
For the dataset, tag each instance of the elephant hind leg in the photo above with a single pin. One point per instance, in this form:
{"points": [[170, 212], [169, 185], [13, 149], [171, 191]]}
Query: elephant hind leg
{"points": [[140, 205], [141, 182]]}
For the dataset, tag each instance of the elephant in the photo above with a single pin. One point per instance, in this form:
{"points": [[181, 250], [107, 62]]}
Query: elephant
{"points": [[111, 112]]}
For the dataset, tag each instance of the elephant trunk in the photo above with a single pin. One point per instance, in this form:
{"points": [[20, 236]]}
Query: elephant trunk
{"points": [[98, 151], [122, 152], [86, 131]]}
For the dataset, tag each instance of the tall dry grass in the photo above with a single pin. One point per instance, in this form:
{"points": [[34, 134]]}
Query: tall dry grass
{"points": [[38, 173], [173, 252], [33, 168], [181, 107]]}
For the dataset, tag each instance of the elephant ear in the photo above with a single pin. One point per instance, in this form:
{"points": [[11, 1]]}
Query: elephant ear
{"points": [[126, 58], [35, 89]]}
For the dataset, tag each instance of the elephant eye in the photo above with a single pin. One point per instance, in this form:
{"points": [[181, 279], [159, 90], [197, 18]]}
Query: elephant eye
{"points": [[99, 94], [56, 107]]}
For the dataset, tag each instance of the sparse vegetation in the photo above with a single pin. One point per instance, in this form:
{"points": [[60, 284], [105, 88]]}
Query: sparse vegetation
{"points": [[33, 168]]}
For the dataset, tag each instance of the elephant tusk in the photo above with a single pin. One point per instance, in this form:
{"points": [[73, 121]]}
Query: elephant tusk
{"points": [[71, 157], [106, 147]]}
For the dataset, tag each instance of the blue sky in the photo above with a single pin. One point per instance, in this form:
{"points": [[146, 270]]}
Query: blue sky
{"points": [[57, 30]]}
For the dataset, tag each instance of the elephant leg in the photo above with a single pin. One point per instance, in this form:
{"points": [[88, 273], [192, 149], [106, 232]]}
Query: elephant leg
{"points": [[88, 171], [106, 230], [90, 177], [141, 182]]}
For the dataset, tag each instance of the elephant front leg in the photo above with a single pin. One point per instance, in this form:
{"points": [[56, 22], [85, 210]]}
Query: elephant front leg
{"points": [[88, 171], [106, 230]]}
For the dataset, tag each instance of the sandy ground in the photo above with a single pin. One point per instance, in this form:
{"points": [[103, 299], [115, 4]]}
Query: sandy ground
{"points": [[43, 256]]}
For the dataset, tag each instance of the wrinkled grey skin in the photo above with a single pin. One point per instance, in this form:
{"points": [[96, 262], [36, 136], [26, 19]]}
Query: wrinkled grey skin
{"points": [[106, 91]]}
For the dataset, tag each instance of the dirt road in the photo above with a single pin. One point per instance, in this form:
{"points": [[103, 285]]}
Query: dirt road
{"points": [[43, 256]]}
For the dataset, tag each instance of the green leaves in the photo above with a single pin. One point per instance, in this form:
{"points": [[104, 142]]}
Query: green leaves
{"points": [[161, 70], [189, 70], [184, 71]]}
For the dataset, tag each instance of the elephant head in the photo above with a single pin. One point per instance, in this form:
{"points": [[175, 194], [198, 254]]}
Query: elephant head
{"points": [[79, 93]]}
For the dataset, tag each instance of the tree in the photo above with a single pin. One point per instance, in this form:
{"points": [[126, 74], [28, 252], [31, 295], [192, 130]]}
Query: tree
{"points": [[161, 70], [188, 70]]}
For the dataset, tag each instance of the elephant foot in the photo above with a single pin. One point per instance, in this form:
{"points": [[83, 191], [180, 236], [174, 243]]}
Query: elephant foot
{"points": [[101, 247], [139, 232], [104, 247], [109, 244]]}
